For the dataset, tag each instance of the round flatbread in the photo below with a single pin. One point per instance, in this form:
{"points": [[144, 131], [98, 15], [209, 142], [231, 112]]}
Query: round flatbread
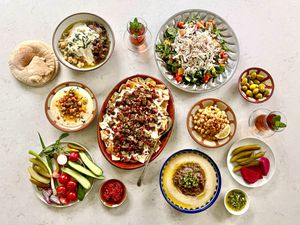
{"points": [[33, 63]]}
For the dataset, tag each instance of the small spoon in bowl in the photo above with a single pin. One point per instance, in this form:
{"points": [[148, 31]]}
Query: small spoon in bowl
{"points": [[170, 124]]}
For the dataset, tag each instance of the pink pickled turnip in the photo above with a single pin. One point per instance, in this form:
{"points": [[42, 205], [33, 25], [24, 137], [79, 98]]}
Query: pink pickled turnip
{"points": [[264, 165], [256, 169], [249, 175]]}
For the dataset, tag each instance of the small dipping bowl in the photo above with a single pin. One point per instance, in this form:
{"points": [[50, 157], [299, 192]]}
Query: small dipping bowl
{"points": [[112, 184], [243, 210]]}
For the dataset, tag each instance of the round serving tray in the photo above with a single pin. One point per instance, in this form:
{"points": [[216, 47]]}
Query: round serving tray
{"points": [[227, 34]]}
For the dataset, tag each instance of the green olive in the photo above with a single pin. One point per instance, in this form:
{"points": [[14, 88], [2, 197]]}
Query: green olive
{"points": [[260, 77], [244, 88], [253, 75], [249, 93], [266, 93], [255, 91], [256, 82], [244, 81], [253, 86], [251, 82], [262, 87], [259, 96]]}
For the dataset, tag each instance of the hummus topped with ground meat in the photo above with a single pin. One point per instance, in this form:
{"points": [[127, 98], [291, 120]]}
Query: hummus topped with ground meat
{"points": [[189, 180]]}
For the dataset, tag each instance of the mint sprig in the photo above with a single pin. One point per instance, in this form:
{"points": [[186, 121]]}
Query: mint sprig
{"points": [[277, 124], [135, 25]]}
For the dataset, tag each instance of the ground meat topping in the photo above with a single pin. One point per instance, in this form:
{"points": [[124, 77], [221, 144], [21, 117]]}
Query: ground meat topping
{"points": [[190, 179]]}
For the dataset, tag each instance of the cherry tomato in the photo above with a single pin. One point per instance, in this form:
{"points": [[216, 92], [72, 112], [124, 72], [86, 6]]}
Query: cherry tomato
{"points": [[224, 55], [72, 196], [74, 156], [61, 190], [71, 185], [206, 78], [63, 200], [180, 24], [178, 77], [64, 178]]}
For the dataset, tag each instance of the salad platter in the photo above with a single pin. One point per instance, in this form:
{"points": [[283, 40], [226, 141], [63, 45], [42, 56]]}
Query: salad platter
{"points": [[190, 34], [196, 51]]}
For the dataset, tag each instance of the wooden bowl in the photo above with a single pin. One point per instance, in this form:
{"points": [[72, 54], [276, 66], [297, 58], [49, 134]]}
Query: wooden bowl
{"points": [[164, 139], [65, 128], [268, 81], [221, 105]]}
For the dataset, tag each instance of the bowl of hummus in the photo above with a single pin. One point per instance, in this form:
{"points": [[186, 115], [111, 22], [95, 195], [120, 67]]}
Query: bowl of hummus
{"points": [[190, 181], [71, 106], [83, 41]]}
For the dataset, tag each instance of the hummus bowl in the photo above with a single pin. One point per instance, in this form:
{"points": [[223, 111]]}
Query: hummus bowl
{"points": [[71, 106], [188, 202]]}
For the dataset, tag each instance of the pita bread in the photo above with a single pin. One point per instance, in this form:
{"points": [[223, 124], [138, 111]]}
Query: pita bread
{"points": [[33, 63]]}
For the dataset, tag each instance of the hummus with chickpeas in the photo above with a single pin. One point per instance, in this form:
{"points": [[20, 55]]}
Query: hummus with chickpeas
{"points": [[71, 106], [84, 44]]}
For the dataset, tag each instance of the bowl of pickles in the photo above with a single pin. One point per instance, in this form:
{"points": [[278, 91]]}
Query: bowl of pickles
{"points": [[256, 85]]}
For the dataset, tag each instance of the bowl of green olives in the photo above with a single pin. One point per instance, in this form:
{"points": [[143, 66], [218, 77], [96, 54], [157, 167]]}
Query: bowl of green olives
{"points": [[256, 85]]}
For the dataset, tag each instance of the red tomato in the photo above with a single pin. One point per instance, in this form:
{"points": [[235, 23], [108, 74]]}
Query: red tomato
{"points": [[178, 77], [64, 178], [71, 185], [180, 24], [206, 78], [63, 200], [72, 196], [74, 156], [61, 190], [224, 55]]}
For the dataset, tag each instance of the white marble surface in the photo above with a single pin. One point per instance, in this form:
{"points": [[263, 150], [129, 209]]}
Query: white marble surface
{"points": [[268, 32]]}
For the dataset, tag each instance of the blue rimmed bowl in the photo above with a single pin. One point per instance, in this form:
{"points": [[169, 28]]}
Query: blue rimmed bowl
{"points": [[186, 203]]}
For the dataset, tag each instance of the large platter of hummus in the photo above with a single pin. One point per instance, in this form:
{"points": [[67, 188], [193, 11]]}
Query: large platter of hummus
{"points": [[190, 181], [71, 106]]}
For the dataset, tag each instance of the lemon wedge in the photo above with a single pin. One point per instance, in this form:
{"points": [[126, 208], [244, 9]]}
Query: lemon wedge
{"points": [[224, 133]]}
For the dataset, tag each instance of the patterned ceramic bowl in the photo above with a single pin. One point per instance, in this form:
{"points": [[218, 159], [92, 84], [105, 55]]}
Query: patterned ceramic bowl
{"points": [[186, 203], [227, 34], [52, 115], [267, 80], [221, 105]]}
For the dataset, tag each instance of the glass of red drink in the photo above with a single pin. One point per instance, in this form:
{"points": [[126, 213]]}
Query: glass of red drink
{"points": [[137, 29], [265, 123]]}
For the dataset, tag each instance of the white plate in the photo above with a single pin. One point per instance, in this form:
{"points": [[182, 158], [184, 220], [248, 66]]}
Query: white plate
{"points": [[269, 154]]}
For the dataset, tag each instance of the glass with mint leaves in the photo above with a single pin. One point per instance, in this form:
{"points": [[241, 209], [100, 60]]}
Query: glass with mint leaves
{"points": [[137, 37], [137, 29], [265, 123]]}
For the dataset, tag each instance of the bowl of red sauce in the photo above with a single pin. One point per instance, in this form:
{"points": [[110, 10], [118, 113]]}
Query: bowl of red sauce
{"points": [[112, 193]]}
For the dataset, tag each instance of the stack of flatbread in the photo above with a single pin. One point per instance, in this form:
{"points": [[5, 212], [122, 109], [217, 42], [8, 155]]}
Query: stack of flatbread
{"points": [[33, 63]]}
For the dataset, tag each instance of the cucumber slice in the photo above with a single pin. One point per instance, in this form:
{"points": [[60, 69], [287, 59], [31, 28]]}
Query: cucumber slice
{"points": [[92, 166], [77, 176], [84, 170]]}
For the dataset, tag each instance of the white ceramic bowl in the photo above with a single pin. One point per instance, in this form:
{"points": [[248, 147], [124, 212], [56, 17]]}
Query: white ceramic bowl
{"points": [[237, 213], [65, 23]]}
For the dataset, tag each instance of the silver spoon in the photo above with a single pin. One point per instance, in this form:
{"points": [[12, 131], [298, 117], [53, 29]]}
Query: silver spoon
{"points": [[170, 124]]}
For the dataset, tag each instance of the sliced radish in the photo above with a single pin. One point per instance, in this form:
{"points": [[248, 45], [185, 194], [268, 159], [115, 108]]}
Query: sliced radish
{"points": [[62, 159]]}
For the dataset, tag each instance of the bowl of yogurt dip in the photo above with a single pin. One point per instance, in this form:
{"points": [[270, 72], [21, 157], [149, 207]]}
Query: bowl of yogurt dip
{"points": [[83, 41]]}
